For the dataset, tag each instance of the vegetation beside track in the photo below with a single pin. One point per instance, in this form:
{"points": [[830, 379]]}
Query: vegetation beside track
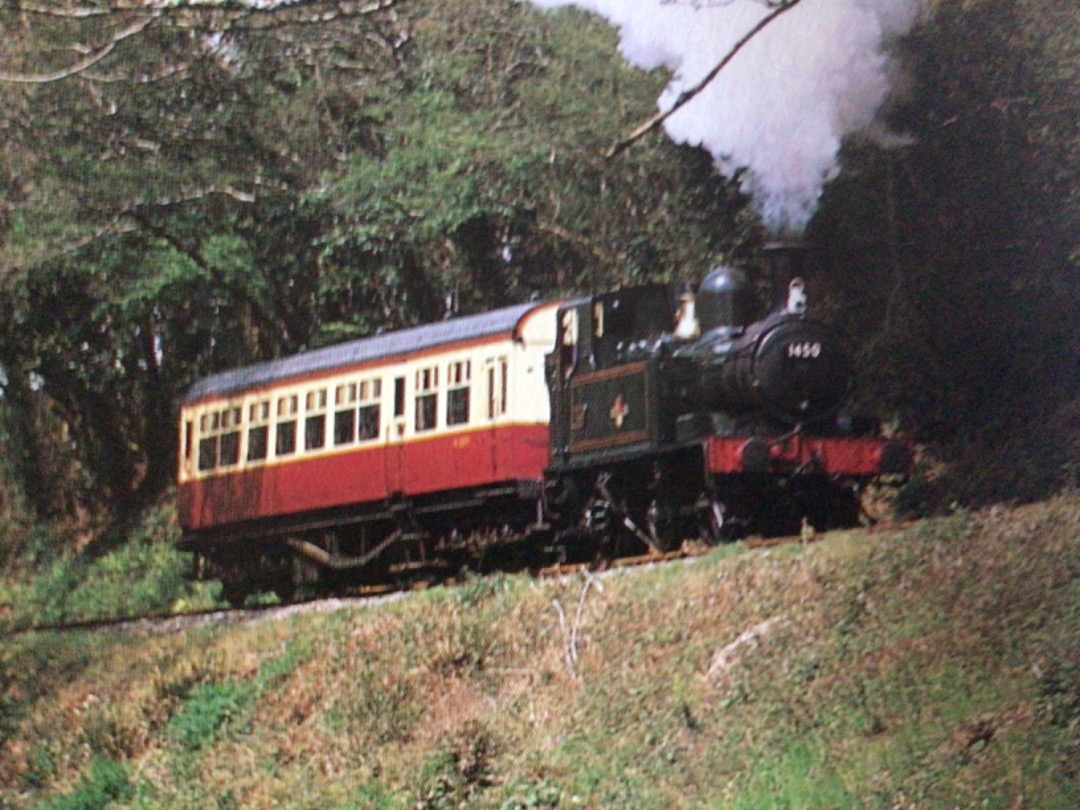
{"points": [[933, 666], [141, 574]]}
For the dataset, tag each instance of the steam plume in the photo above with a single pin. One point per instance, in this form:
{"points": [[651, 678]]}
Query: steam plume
{"points": [[782, 106]]}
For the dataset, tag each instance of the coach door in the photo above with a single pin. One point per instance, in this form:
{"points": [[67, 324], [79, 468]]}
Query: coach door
{"points": [[496, 381], [395, 440]]}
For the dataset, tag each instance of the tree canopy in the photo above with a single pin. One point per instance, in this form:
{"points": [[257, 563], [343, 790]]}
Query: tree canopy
{"points": [[193, 185]]}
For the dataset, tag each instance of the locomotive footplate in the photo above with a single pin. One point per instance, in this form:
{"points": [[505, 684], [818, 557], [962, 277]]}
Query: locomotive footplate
{"points": [[796, 454]]}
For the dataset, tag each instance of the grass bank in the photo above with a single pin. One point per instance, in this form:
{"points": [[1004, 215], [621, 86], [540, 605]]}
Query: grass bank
{"points": [[935, 666]]}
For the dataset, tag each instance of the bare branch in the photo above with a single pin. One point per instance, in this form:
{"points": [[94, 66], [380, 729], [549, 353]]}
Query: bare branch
{"points": [[576, 239], [85, 12], [167, 72], [570, 634], [223, 16], [72, 13], [687, 95], [112, 228], [84, 64]]}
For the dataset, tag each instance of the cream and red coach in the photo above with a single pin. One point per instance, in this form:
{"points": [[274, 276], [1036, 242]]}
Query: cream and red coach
{"points": [[354, 441]]}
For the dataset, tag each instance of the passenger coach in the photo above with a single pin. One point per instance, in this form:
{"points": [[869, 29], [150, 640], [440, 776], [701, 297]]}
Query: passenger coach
{"points": [[338, 451]]}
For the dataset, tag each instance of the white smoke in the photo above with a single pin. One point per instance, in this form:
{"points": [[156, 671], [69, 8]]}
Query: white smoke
{"points": [[781, 107]]}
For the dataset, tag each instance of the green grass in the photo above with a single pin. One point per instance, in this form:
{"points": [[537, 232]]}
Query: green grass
{"points": [[936, 666], [210, 713]]}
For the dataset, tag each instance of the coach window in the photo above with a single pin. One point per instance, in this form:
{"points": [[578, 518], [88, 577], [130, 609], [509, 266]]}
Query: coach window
{"points": [[367, 423], [219, 438], [230, 437], [189, 438], [315, 420], [427, 398], [209, 428], [258, 435], [498, 386], [285, 437], [458, 375], [399, 397], [345, 414]]}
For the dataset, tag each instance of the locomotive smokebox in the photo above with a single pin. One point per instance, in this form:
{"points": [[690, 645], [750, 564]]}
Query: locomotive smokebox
{"points": [[786, 365]]}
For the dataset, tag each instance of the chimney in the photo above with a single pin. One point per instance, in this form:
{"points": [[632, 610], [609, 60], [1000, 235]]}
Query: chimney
{"points": [[785, 260]]}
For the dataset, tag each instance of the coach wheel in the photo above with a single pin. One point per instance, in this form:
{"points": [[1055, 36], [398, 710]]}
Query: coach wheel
{"points": [[235, 592], [284, 589]]}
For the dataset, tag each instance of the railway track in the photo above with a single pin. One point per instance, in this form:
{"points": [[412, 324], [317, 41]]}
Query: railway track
{"points": [[168, 622]]}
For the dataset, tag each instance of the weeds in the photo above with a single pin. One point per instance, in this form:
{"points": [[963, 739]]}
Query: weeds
{"points": [[382, 709], [533, 796], [145, 576]]}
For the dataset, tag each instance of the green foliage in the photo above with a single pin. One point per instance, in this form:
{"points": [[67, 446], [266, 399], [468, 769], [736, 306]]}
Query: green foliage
{"points": [[256, 202], [16, 524], [376, 797], [41, 767], [491, 180], [798, 777], [533, 796], [330, 171], [103, 783], [956, 255]]}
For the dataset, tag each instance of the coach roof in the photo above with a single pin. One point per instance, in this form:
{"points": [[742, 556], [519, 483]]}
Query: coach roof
{"points": [[354, 352]]}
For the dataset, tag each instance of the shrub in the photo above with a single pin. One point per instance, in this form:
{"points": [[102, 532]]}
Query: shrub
{"points": [[147, 575]]}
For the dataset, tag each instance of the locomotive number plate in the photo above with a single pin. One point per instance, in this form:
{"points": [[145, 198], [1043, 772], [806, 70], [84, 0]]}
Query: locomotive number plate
{"points": [[805, 350]]}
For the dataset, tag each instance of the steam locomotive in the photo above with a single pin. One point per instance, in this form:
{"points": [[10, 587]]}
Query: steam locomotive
{"points": [[623, 422]]}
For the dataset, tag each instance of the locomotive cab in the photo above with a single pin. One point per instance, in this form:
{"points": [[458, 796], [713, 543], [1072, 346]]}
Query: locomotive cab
{"points": [[603, 375]]}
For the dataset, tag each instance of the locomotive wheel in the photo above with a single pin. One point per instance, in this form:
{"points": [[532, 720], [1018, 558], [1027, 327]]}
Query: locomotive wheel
{"points": [[713, 526], [663, 528]]}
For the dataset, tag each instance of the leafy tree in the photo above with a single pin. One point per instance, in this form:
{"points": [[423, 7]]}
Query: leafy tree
{"points": [[151, 197], [193, 186]]}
